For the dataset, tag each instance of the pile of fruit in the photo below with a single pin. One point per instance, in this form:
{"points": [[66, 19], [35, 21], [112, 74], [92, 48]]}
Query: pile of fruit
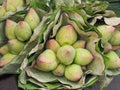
{"points": [[18, 35], [66, 44], [66, 55]]}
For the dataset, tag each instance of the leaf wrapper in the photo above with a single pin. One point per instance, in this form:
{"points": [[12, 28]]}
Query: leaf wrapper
{"points": [[47, 80]]}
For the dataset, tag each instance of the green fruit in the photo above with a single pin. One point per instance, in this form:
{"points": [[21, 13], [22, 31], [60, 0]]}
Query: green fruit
{"points": [[47, 61], [4, 49], [59, 71], [79, 44], [6, 59], [107, 47], [10, 7], [83, 56], [2, 11], [66, 54], [32, 19], [66, 35], [112, 61], [15, 46], [106, 32], [23, 31], [115, 38], [18, 3], [53, 45], [10, 28], [73, 72], [15, 3]]}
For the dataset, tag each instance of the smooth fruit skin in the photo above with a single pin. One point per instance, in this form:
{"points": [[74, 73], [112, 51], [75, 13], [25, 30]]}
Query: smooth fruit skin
{"points": [[10, 29], [9, 5], [32, 18], [2, 11], [23, 31], [115, 39], [73, 72], [113, 60], [15, 46], [79, 44], [47, 61], [83, 56], [12, 5], [6, 59], [106, 32], [107, 47], [53, 45], [4, 49], [59, 71], [66, 35], [66, 54]]}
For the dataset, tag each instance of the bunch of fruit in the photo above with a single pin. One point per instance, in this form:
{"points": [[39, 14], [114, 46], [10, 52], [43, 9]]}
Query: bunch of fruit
{"points": [[18, 34], [10, 6], [65, 55], [60, 43], [110, 43]]}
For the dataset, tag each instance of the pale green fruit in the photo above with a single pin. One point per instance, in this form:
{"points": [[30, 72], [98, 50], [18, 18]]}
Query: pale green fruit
{"points": [[2, 11], [79, 44], [66, 35], [23, 31], [15, 3], [73, 72], [66, 54], [10, 28], [32, 18], [83, 56], [107, 47], [47, 61], [6, 59], [4, 49], [53, 45], [10, 7], [115, 38], [15, 46], [113, 60], [59, 71], [106, 32]]}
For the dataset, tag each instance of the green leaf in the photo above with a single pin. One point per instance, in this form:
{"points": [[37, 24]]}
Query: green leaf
{"points": [[91, 81], [42, 4], [105, 81], [68, 3], [97, 65], [46, 77], [13, 14], [99, 6], [113, 72], [1, 1], [52, 85], [40, 76], [28, 86]]}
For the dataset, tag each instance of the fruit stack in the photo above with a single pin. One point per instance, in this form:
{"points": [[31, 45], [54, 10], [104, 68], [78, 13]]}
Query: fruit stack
{"points": [[65, 55], [17, 33]]}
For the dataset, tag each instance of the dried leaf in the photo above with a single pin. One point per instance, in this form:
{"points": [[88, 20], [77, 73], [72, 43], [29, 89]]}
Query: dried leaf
{"points": [[113, 21]]}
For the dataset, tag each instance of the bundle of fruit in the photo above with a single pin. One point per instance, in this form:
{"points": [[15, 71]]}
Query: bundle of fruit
{"points": [[61, 44], [17, 35]]}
